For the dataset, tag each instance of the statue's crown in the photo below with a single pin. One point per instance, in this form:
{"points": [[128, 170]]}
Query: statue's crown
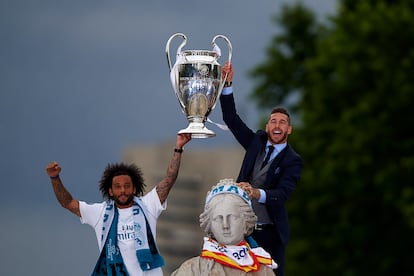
{"points": [[227, 186]]}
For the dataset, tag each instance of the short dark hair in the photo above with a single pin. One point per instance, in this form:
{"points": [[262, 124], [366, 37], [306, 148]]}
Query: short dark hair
{"points": [[116, 169], [279, 109]]}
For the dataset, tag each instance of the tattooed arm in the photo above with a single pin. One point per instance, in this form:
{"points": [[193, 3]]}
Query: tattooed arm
{"points": [[164, 187], [63, 196]]}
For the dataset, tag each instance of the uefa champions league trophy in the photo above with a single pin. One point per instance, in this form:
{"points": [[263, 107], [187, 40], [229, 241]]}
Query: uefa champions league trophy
{"points": [[197, 82]]}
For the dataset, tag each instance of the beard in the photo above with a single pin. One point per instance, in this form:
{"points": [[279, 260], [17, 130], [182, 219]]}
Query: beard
{"points": [[124, 202], [282, 139]]}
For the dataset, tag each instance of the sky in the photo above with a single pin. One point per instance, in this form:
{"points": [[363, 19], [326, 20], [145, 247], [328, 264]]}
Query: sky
{"points": [[80, 82]]}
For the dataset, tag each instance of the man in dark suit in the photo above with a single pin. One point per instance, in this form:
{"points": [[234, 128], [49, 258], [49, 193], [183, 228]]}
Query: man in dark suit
{"points": [[269, 172]]}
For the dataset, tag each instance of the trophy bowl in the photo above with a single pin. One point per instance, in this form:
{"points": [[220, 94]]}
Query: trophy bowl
{"points": [[197, 82]]}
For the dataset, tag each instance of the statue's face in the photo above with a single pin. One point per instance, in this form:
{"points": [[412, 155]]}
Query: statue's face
{"points": [[227, 223]]}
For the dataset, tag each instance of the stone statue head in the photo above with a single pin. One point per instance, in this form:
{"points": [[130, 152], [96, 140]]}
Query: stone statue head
{"points": [[228, 216]]}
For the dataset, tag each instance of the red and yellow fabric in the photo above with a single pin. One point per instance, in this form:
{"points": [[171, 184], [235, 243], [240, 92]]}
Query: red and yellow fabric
{"points": [[239, 256]]}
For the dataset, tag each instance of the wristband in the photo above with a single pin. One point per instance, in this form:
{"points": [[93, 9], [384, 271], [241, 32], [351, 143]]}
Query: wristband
{"points": [[54, 177], [178, 150]]}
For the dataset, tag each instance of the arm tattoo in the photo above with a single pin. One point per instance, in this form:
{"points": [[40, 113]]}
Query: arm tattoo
{"points": [[64, 197], [164, 187]]}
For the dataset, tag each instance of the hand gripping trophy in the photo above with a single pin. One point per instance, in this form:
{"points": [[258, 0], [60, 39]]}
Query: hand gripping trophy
{"points": [[197, 82]]}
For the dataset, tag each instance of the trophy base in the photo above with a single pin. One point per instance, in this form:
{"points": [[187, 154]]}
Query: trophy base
{"points": [[197, 130]]}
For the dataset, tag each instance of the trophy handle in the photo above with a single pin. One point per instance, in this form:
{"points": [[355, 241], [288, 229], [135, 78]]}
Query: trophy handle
{"points": [[167, 47], [228, 44], [221, 86]]}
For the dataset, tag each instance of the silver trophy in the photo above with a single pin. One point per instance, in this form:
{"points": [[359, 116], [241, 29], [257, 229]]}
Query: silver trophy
{"points": [[197, 82]]}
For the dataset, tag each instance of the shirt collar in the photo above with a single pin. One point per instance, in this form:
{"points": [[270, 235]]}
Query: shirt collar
{"points": [[278, 147]]}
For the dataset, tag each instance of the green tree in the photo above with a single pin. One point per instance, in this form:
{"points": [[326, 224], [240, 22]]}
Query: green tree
{"points": [[282, 76], [353, 211]]}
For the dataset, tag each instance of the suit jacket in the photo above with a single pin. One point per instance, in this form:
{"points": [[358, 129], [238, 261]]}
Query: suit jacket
{"points": [[284, 170]]}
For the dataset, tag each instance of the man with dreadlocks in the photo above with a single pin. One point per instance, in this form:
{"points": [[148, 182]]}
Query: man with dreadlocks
{"points": [[125, 223]]}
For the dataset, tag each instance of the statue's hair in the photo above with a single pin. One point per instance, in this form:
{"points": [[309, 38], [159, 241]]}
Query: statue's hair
{"points": [[245, 210], [116, 169]]}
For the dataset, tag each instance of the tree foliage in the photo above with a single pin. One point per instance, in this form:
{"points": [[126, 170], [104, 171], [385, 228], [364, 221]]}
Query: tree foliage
{"points": [[283, 72], [353, 211]]}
